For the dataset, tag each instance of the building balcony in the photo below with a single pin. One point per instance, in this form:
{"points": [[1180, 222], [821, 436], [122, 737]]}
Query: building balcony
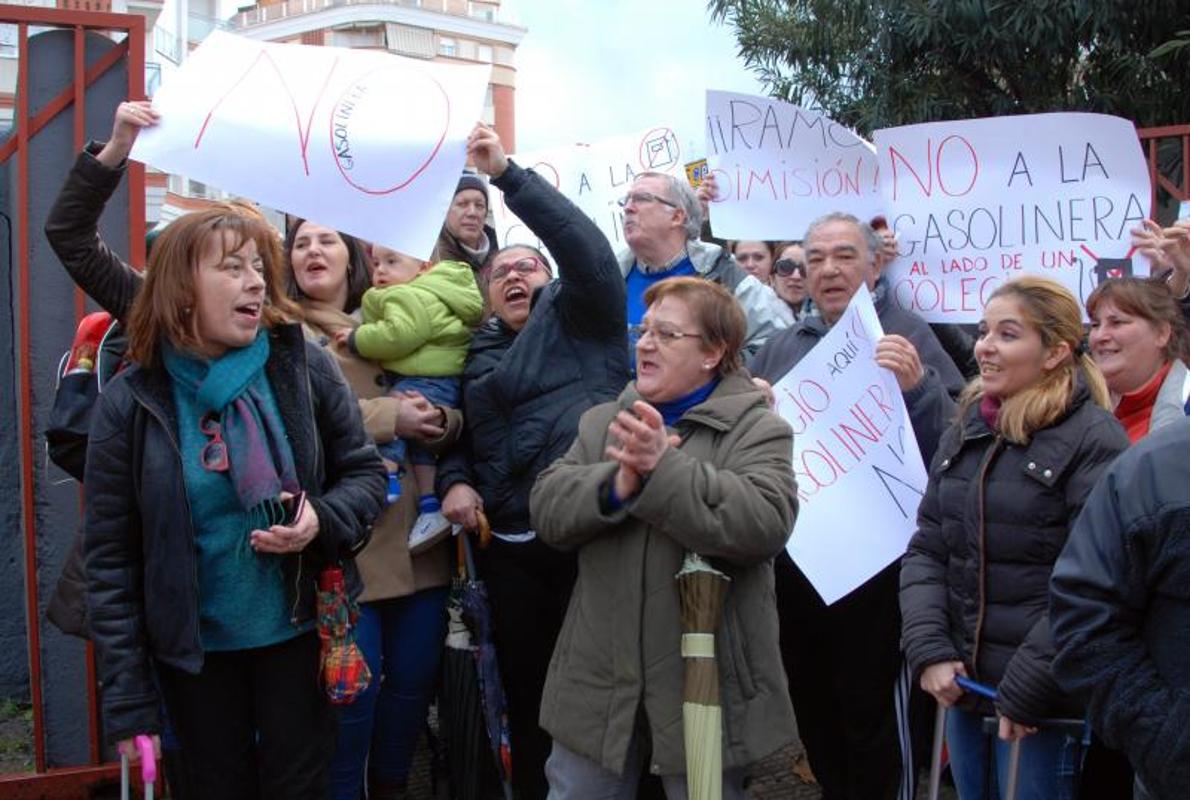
{"points": [[289, 19], [199, 26]]}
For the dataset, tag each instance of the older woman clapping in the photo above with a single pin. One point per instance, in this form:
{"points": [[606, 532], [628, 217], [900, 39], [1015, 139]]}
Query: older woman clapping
{"points": [[688, 459]]}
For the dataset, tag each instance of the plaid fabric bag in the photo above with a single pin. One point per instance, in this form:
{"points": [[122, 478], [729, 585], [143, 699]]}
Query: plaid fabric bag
{"points": [[345, 673]]}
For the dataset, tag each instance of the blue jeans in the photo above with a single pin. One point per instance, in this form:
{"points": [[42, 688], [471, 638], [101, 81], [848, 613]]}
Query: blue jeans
{"points": [[402, 641], [1049, 765], [440, 392]]}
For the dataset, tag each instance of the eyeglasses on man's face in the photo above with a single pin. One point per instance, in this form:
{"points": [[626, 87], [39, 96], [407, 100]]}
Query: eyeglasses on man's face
{"points": [[640, 198], [662, 333], [525, 265], [787, 266]]}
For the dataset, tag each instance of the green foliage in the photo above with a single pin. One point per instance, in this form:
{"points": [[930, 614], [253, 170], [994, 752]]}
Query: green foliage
{"points": [[878, 63], [1172, 46], [12, 709], [16, 744]]}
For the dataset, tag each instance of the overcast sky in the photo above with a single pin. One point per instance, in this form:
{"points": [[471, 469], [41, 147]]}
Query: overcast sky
{"points": [[591, 69]]}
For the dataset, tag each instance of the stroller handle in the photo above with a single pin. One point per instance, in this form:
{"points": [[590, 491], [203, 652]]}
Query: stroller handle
{"points": [[148, 759]]}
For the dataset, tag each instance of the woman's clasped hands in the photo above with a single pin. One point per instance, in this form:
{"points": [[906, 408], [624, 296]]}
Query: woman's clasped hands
{"points": [[639, 440]]}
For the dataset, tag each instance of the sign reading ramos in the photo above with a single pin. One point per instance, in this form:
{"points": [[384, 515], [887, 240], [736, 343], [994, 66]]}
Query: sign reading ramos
{"points": [[779, 167]]}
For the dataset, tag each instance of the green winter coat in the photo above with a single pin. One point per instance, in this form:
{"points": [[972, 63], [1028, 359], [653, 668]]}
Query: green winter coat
{"points": [[727, 492], [421, 328]]}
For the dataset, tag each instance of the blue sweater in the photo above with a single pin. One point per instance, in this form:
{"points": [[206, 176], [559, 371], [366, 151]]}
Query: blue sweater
{"points": [[242, 596], [638, 282]]}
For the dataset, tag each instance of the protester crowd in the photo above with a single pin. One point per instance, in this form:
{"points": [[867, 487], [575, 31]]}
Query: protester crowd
{"points": [[297, 404]]}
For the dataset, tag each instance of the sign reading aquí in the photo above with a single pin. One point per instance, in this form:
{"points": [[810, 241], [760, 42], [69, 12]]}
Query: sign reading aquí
{"points": [[859, 472]]}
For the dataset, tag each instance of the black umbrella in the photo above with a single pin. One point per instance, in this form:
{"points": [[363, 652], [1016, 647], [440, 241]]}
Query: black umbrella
{"points": [[478, 619], [474, 773]]}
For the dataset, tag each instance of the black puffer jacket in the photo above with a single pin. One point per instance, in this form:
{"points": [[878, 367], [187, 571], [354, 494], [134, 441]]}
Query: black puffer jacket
{"points": [[1120, 609], [975, 579], [142, 583], [72, 229], [523, 393]]}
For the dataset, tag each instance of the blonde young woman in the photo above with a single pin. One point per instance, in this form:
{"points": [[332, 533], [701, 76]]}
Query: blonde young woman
{"points": [[1032, 435]]}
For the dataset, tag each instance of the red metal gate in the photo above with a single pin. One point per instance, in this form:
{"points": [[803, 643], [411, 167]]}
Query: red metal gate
{"points": [[44, 781], [1151, 140]]}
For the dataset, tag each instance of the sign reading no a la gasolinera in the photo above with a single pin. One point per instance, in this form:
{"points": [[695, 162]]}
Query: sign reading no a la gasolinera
{"points": [[978, 202]]}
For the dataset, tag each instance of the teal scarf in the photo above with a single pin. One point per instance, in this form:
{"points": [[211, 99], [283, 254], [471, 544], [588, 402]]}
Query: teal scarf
{"points": [[232, 388]]}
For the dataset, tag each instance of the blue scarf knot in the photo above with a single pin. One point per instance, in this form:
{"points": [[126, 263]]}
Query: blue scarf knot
{"points": [[233, 388]]}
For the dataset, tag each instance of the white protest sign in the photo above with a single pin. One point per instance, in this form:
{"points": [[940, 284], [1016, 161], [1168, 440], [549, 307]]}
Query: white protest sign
{"points": [[594, 176], [859, 473], [362, 141], [779, 167], [977, 202]]}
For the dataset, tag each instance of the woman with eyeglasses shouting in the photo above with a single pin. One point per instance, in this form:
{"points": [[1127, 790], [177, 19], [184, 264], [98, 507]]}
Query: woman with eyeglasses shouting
{"points": [[552, 349], [688, 459], [225, 469]]}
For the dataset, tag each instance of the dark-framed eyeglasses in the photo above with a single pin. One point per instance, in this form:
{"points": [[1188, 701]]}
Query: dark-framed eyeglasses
{"points": [[662, 333], [526, 265], [639, 198], [213, 456], [787, 266]]}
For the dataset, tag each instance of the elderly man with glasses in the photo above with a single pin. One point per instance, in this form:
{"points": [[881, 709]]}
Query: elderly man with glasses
{"points": [[662, 220], [843, 660]]}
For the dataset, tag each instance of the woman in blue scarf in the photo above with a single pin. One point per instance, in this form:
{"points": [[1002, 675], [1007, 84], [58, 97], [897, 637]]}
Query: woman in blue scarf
{"points": [[198, 568]]}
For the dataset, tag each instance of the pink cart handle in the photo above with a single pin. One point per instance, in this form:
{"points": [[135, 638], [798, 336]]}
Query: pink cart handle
{"points": [[148, 759]]}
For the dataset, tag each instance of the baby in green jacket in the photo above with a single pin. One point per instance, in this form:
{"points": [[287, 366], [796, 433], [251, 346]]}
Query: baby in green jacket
{"points": [[418, 319]]}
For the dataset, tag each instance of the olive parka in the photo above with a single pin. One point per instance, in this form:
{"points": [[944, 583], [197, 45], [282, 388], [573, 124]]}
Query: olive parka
{"points": [[727, 493]]}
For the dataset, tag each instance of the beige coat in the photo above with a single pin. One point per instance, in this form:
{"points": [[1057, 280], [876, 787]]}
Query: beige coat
{"points": [[385, 566], [726, 493]]}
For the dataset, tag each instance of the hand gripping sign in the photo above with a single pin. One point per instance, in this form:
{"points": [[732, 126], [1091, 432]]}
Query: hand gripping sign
{"points": [[859, 472], [363, 141]]}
